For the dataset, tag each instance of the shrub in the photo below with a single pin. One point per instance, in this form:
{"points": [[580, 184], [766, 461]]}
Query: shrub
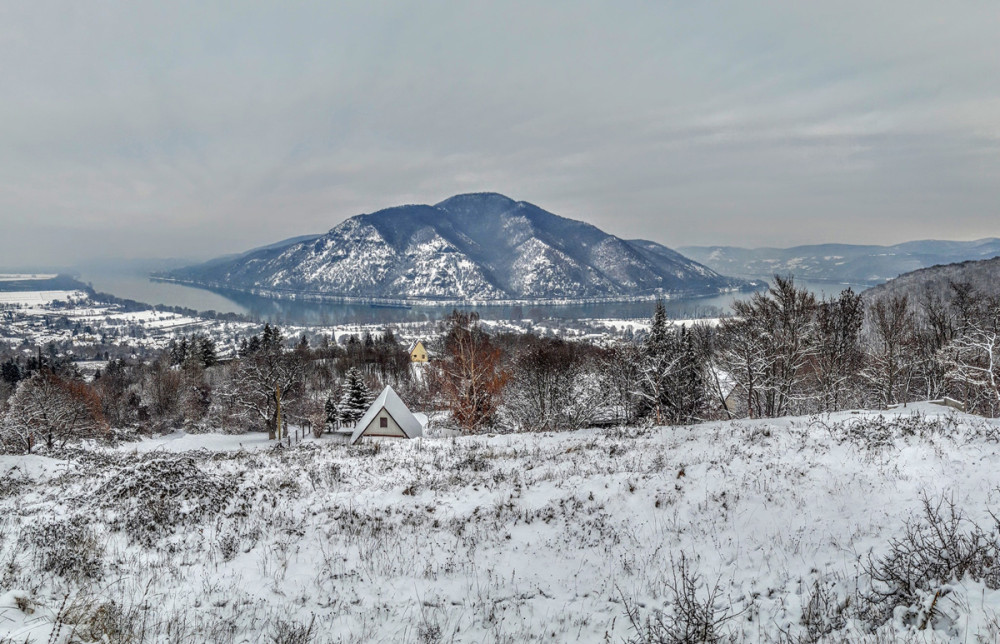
{"points": [[691, 616], [156, 497], [288, 632], [823, 613], [68, 548], [942, 547]]}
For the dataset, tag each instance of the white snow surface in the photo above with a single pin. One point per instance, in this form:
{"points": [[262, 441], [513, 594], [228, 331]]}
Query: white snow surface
{"points": [[38, 298], [512, 538]]}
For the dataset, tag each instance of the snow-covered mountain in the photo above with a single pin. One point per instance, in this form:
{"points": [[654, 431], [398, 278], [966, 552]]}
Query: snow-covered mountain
{"points": [[471, 247], [983, 276], [841, 262]]}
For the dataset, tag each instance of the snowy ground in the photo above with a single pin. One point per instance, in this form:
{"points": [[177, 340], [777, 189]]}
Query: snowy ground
{"points": [[39, 298], [26, 277], [513, 538]]}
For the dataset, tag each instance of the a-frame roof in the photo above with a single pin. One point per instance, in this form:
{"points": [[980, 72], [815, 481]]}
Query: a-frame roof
{"points": [[391, 402]]}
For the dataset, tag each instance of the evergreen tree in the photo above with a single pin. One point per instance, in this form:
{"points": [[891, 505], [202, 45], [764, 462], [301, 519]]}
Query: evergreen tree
{"points": [[658, 340], [271, 340], [207, 352], [11, 373], [178, 351], [659, 362], [673, 388], [332, 413], [357, 398]]}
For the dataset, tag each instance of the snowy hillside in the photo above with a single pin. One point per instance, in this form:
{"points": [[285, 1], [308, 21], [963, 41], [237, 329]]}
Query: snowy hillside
{"points": [[850, 263], [771, 530], [475, 247]]}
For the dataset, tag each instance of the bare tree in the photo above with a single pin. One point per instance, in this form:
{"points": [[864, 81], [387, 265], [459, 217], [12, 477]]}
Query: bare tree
{"points": [[838, 355], [53, 409], [769, 346], [745, 360], [620, 371], [972, 362], [264, 380], [890, 321], [552, 386], [162, 388], [471, 375]]}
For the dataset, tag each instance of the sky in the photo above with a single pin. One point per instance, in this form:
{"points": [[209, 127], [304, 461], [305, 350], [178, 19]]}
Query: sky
{"points": [[177, 129]]}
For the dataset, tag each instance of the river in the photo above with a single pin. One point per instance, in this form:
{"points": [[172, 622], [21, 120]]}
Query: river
{"points": [[135, 285]]}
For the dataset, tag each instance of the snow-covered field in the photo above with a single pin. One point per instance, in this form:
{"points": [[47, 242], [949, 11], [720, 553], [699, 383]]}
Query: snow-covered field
{"points": [[39, 298], [26, 277], [578, 536]]}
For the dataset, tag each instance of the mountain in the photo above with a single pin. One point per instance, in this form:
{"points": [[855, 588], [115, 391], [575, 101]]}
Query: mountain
{"points": [[471, 248], [983, 275], [840, 262]]}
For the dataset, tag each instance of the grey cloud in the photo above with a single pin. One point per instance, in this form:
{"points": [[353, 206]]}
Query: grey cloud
{"points": [[182, 129]]}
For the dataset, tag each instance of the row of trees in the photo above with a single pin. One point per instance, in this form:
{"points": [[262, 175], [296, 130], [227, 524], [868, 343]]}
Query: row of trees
{"points": [[783, 352]]}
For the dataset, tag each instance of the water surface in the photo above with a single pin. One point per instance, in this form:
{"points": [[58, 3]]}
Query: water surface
{"points": [[136, 285]]}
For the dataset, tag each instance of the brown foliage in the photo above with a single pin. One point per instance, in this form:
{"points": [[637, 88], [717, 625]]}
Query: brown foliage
{"points": [[54, 409], [471, 374]]}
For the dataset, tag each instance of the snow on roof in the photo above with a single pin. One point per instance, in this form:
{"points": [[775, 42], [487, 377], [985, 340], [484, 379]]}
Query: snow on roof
{"points": [[726, 381], [391, 402]]}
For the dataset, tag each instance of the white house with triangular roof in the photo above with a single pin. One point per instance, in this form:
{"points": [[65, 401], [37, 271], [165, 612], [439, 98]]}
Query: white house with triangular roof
{"points": [[388, 417]]}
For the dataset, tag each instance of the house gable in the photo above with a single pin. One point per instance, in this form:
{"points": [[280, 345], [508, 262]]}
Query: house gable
{"points": [[399, 421], [418, 353], [391, 429]]}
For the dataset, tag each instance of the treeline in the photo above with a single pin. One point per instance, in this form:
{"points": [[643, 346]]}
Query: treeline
{"points": [[47, 401], [784, 352]]}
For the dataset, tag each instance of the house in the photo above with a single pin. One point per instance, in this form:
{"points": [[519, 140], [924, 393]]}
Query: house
{"points": [[726, 389], [417, 352], [388, 417], [950, 402]]}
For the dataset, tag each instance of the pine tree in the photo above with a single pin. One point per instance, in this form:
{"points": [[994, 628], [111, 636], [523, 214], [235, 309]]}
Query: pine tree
{"points": [[659, 364], [11, 373], [658, 340], [251, 347], [356, 400], [271, 340], [332, 413], [206, 351]]}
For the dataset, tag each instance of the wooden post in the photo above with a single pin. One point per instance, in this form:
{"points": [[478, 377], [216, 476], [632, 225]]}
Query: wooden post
{"points": [[277, 395]]}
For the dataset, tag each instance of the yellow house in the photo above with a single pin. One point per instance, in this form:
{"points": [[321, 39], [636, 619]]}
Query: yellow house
{"points": [[417, 352]]}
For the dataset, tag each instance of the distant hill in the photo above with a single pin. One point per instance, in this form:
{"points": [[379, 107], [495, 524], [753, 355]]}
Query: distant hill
{"points": [[840, 262], [479, 247], [983, 275]]}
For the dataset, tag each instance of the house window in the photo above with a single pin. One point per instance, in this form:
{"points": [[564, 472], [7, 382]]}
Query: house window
{"points": [[383, 422]]}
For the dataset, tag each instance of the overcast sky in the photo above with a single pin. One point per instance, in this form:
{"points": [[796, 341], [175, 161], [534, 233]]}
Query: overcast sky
{"points": [[177, 129]]}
